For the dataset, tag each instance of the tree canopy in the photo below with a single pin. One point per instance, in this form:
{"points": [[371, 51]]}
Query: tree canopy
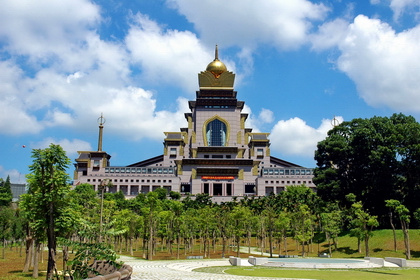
{"points": [[376, 159], [6, 195]]}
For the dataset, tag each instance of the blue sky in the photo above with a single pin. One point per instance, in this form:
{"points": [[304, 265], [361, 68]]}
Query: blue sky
{"points": [[298, 63]]}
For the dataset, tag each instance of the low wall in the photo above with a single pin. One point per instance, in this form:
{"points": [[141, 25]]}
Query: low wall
{"points": [[378, 261], [257, 261], [108, 272], [398, 261], [235, 261]]}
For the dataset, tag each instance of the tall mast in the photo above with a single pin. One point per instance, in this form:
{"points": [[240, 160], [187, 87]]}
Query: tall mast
{"points": [[101, 121]]}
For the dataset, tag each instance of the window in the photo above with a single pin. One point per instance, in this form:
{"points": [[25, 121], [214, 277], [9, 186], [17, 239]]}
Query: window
{"points": [[228, 189], [260, 153], [173, 152], [250, 188], [216, 133], [96, 163], [217, 156]]}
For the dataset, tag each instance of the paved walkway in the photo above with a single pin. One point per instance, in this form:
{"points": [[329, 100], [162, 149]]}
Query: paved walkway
{"points": [[174, 270], [183, 269]]}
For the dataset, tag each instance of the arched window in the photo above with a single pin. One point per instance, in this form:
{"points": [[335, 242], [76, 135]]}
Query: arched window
{"points": [[216, 133]]}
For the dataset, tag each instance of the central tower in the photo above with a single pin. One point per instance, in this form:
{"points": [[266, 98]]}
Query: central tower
{"points": [[217, 154]]}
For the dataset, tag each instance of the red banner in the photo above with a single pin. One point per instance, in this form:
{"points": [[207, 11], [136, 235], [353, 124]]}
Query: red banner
{"points": [[217, 177]]}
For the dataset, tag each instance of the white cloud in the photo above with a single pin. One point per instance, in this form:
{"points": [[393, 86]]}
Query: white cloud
{"points": [[266, 116], [329, 34], [83, 76], [400, 6], [69, 146], [15, 176], [295, 137], [284, 24], [43, 28], [382, 62], [168, 56]]}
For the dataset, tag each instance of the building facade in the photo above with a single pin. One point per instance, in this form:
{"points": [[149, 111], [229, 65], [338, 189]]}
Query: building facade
{"points": [[215, 153]]}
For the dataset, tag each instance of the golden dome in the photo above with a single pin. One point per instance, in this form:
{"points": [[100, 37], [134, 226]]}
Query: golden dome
{"points": [[216, 67]]}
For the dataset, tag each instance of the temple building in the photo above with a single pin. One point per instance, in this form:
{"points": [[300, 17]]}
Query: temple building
{"points": [[214, 154]]}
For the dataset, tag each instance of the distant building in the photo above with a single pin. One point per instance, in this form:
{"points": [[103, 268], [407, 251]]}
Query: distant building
{"points": [[17, 190], [214, 154]]}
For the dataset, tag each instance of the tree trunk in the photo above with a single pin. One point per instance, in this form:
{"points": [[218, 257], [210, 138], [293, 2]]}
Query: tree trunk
{"points": [[177, 247], [131, 246], [150, 243], [238, 246], [51, 242], [36, 261], [29, 244], [285, 245], [303, 249], [367, 246], [270, 241], [393, 232], [406, 240], [329, 245], [65, 259], [223, 246], [4, 248]]}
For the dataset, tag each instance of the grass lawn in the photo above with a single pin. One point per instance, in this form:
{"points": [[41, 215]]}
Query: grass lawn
{"points": [[325, 274]]}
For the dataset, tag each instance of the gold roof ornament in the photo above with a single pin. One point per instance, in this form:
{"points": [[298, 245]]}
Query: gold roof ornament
{"points": [[216, 67], [216, 75]]}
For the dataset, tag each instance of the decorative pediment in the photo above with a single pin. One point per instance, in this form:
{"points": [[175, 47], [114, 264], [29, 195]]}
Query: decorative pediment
{"points": [[206, 79]]}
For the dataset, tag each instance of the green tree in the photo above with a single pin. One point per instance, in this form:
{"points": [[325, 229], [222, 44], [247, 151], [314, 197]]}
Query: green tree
{"points": [[282, 224], [47, 200], [6, 224], [152, 209], [332, 223], [361, 222], [302, 222], [376, 159], [404, 217], [6, 195]]}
